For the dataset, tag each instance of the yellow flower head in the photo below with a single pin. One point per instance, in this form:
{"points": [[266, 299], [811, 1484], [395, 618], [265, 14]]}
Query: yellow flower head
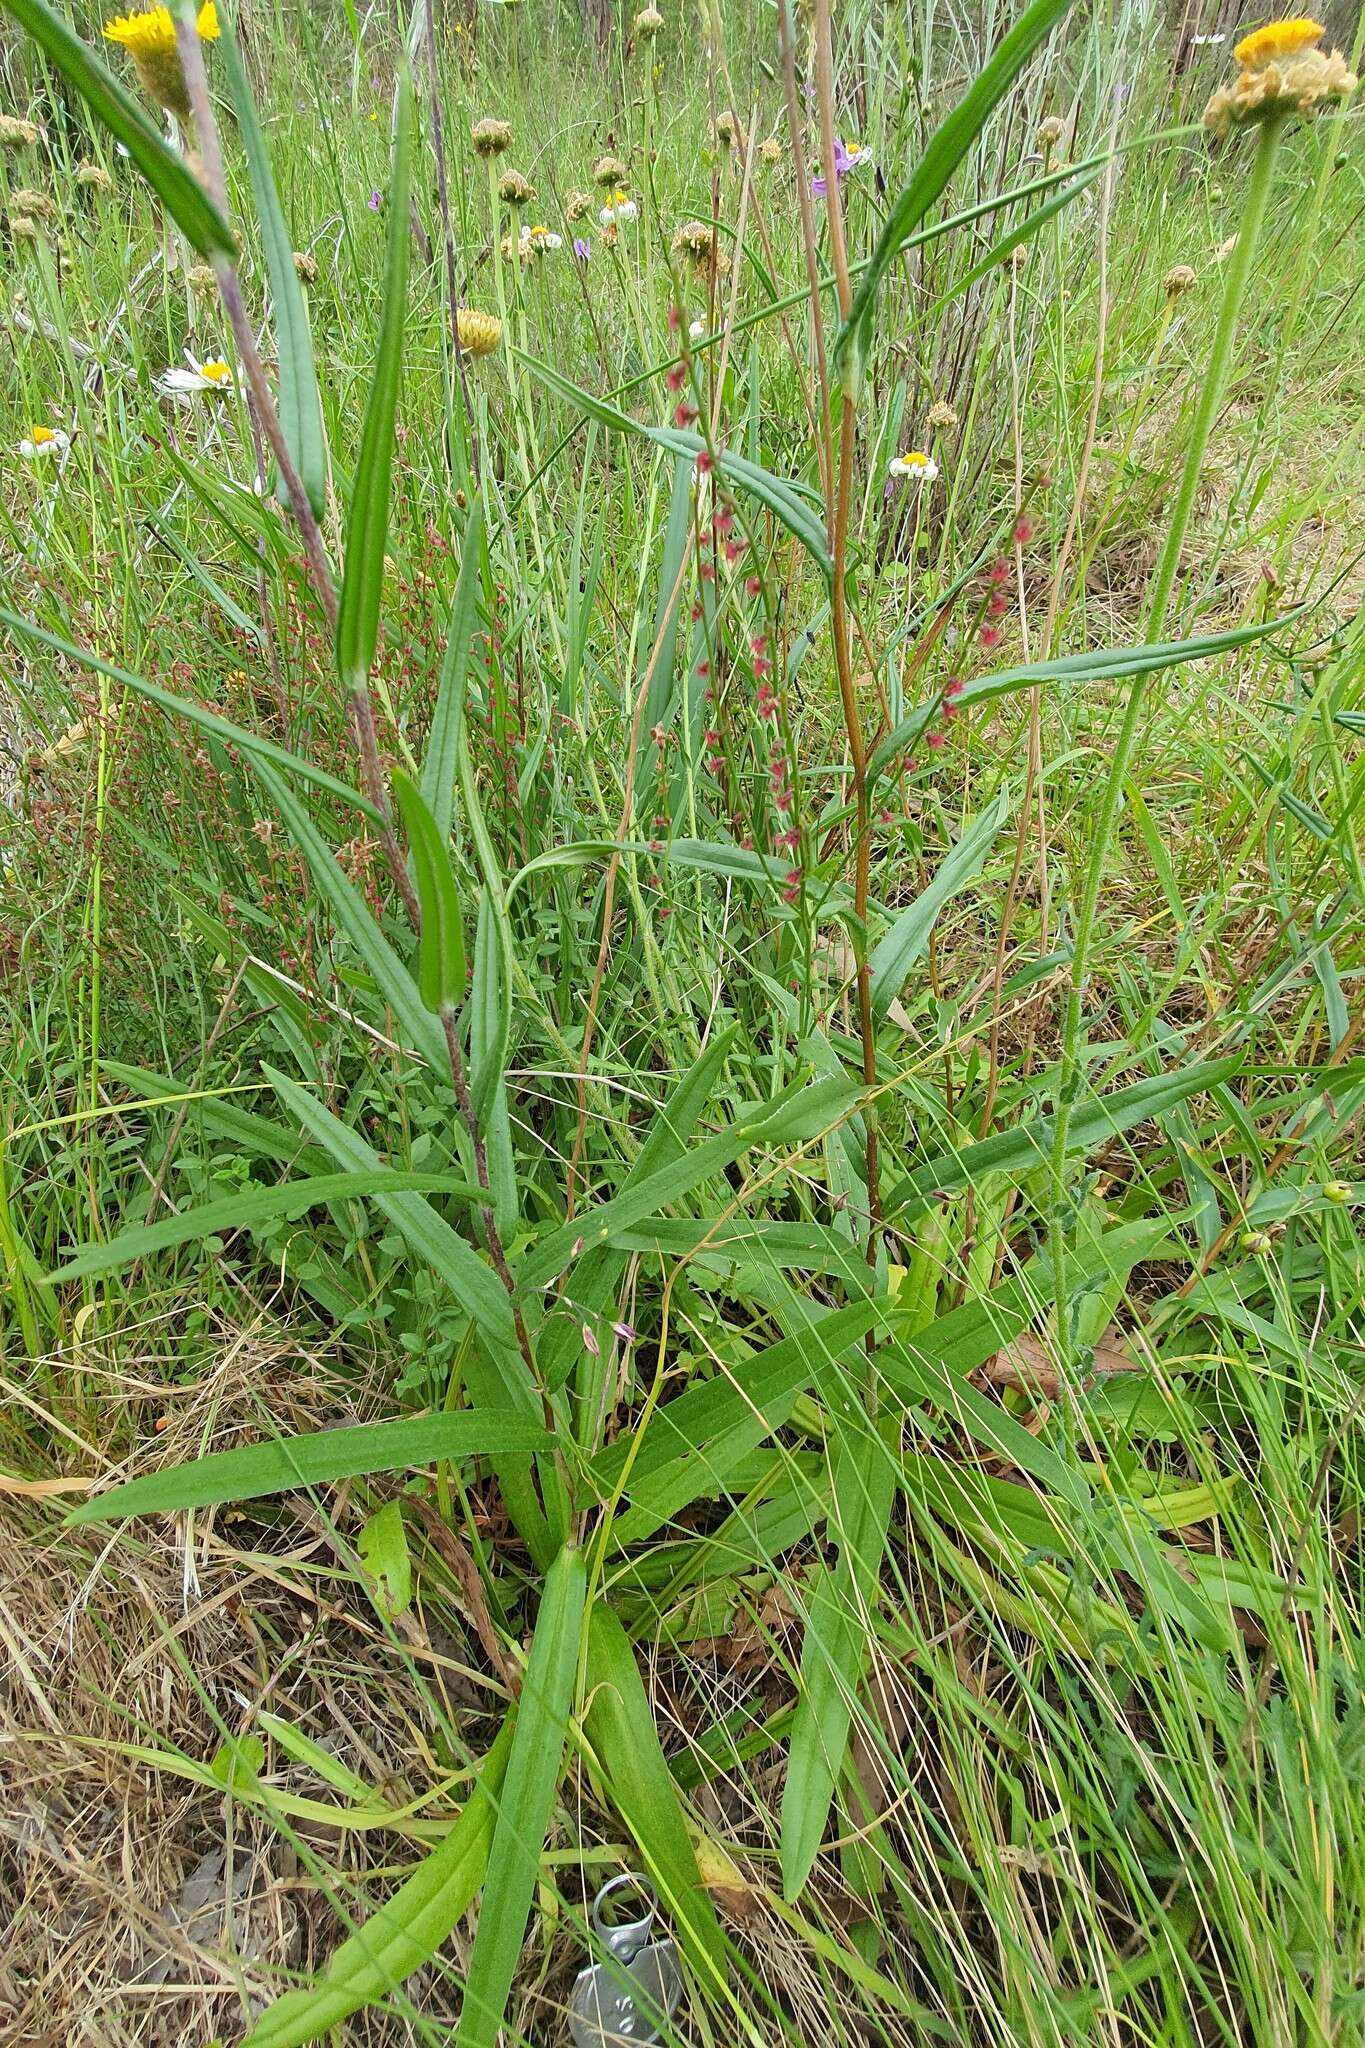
{"points": [[1277, 39], [216, 371], [479, 333], [149, 39], [1283, 72], [153, 29], [40, 436]]}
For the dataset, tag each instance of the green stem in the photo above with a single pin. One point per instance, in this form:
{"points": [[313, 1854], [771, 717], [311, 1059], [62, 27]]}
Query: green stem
{"points": [[1210, 399]]}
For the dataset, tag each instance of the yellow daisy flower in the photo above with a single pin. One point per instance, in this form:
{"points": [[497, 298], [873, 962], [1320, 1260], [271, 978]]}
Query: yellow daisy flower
{"points": [[149, 39], [1277, 39]]}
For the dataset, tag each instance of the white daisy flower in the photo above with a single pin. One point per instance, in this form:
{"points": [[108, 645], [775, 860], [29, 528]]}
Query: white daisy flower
{"points": [[42, 442], [619, 209], [1206, 42], [697, 331], [536, 241], [213, 375], [919, 468]]}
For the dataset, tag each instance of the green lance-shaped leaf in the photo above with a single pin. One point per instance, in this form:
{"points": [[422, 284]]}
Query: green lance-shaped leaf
{"points": [[783, 499], [300, 411], [837, 1645], [621, 1728], [287, 1463], [179, 191], [946, 149], [528, 1793], [406, 1932], [368, 532], [440, 953], [903, 945], [223, 729], [438, 763]]}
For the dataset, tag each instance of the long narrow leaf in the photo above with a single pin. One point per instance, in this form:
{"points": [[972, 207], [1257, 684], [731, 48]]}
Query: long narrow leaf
{"points": [[945, 151], [313, 1460], [406, 1931], [368, 531], [439, 764], [837, 1645], [533, 1773], [908, 937], [620, 1726], [249, 1211], [1029, 1145], [299, 408], [780, 497], [196, 714]]}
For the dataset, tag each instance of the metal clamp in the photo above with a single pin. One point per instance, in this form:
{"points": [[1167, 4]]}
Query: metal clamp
{"points": [[628, 1998]]}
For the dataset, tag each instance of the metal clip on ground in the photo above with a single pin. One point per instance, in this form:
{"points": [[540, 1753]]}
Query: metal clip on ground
{"points": [[628, 1998]]}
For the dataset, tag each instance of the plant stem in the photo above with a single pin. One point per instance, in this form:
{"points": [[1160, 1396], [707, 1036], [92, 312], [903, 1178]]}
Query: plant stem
{"points": [[1206, 412], [843, 652]]}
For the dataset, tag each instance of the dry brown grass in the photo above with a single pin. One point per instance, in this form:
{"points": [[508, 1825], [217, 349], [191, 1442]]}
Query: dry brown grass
{"points": [[142, 1907]]}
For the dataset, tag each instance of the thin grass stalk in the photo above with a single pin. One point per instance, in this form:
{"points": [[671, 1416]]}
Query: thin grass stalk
{"points": [[1211, 393], [843, 648]]}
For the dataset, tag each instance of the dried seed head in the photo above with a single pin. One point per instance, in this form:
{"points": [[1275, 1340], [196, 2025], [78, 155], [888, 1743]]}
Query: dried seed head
{"points": [[22, 229], [578, 205], [95, 177], [609, 170], [16, 134], [770, 150], [647, 24], [1181, 279], [942, 416], [37, 205], [514, 190], [1050, 132], [728, 129], [200, 278], [305, 267], [490, 137]]}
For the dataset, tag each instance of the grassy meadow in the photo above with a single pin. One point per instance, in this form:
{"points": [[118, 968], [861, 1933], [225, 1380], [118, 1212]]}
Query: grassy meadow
{"points": [[682, 733]]}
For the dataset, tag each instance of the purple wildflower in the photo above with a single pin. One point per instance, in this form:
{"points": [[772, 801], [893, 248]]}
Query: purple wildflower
{"points": [[375, 201], [582, 248], [844, 161]]}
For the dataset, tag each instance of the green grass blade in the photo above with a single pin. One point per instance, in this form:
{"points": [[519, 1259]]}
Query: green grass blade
{"points": [[620, 1726], [1026, 1147], [803, 1111], [314, 1460], [299, 409], [195, 714], [439, 766], [440, 951], [367, 534], [179, 191], [473, 1284], [406, 1931], [895, 955], [837, 1643], [533, 1773], [421, 1030], [248, 1211], [493, 946], [945, 151], [779, 496]]}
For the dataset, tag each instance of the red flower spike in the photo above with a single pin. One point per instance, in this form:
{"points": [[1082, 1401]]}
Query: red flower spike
{"points": [[676, 377], [990, 636], [935, 740]]}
